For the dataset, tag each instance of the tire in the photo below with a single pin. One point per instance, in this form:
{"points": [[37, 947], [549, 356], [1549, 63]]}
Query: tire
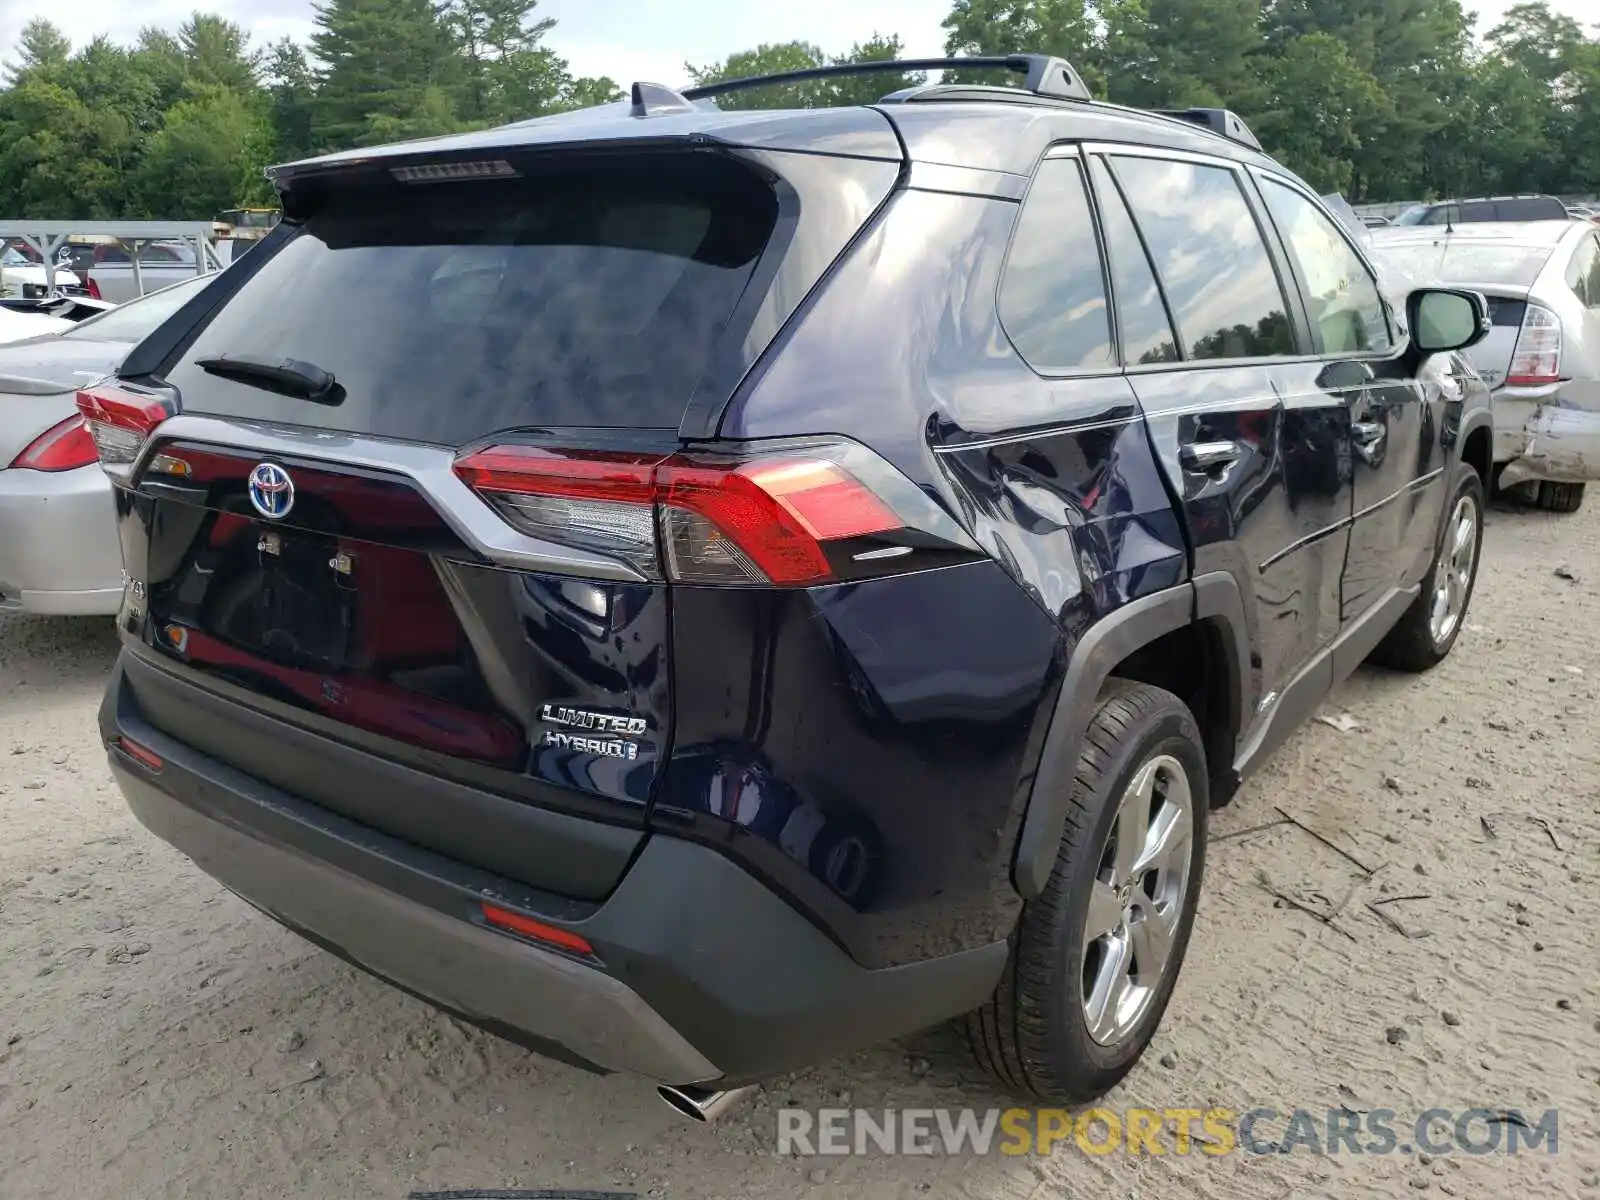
{"points": [[1559, 497], [1034, 1034], [1416, 643]]}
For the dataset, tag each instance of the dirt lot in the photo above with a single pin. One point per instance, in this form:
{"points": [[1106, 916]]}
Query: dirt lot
{"points": [[159, 1038]]}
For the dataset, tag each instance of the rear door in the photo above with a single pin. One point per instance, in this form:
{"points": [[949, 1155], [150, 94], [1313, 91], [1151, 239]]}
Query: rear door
{"points": [[1254, 457], [313, 537]]}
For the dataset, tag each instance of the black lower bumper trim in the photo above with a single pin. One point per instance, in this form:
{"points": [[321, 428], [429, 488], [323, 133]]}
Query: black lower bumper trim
{"points": [[703, 973]]}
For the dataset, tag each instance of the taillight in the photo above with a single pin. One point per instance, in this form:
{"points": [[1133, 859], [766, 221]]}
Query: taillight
{"points": [[1537, 358], [92, 287], [119, 421], [790, 516], [767, 521], [63, 447]]}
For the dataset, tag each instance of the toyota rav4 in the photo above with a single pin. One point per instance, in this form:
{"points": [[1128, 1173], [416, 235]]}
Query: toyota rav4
{"points": [[698, 592]]}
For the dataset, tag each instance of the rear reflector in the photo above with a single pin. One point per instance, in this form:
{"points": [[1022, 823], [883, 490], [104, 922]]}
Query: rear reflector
{"points": [[63, 447], [1536, 361], [537, 930], [767, 519], [144, 757], [119, 421]]}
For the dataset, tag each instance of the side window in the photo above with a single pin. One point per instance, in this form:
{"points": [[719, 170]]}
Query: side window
{"points": [[1211, 259], [1443, 214], [1142, 319], [1342, 298], [1477, 211], [1583, 273], [1053, 295]]}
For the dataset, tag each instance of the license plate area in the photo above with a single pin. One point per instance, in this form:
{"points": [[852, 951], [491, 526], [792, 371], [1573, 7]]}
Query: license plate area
{"points": [[305, 605]]}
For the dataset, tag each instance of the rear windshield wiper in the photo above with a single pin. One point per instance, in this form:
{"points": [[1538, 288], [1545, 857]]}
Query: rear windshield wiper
{"points": [[287, 376]]}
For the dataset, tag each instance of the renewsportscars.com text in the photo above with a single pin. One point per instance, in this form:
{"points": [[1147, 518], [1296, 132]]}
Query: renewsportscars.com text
{"points": [[1158, 1131]]}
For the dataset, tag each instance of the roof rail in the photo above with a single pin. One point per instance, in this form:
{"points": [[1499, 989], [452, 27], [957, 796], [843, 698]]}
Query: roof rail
{"points": [[1044, 75], [1218, 120]]}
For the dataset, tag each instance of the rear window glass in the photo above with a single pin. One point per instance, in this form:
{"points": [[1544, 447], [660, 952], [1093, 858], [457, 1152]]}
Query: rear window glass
{"points": [[137, 319], [1455, 262], [1053, 298], [588, 297]]}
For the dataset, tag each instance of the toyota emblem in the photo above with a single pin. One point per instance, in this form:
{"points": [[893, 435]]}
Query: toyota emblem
{"points": [[271, 491]]}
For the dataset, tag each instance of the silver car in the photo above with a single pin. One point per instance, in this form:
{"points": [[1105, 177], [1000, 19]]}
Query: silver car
{"points": [[58, 545], [1542, 358]]}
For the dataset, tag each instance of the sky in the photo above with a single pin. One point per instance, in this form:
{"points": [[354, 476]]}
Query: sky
{"points": [[625, 39]]}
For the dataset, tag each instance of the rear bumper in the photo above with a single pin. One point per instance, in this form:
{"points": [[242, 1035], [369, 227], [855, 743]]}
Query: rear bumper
{"points": [[59, 553], [700, 972], [1539, 438]]}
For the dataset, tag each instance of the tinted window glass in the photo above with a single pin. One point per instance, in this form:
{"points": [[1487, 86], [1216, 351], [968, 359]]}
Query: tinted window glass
{"points": [[590, 296], [1215, 267], [1583, 273], [1477, 210], [1053, 297], [1532, 208], [1342, 298], [1444, 214], [1147, 335]]}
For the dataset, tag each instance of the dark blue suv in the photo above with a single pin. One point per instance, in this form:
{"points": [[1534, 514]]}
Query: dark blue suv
{"points": [[697, 592]]}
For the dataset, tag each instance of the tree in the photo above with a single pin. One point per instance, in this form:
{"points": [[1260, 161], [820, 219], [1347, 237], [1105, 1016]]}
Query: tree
{"points": [[48, 168], [777, 58], [207, 156], [1182, 53], [217, 52], [1319, 103], [993, 27], [41, 45], [588, 91], [386, 68], [1413, 49], [291, 88]]}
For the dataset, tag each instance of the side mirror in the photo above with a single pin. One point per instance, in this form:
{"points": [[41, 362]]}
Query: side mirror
{"points": [[1443, 319]]}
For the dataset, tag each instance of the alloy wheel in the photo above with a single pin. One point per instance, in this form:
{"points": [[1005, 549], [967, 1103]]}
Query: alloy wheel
{"points": [[1137, 899], [1452, 577]]}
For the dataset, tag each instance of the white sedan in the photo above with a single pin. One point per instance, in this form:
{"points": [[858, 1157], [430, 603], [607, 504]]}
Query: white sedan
{"points": [[59, 552]]}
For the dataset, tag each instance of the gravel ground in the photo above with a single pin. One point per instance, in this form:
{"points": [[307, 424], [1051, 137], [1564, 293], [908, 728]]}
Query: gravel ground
{"points": [[159, 1038]]}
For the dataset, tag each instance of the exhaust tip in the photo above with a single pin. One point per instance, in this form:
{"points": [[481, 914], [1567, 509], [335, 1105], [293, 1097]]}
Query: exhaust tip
{"points": [[701, 1105], [681, 1103]]}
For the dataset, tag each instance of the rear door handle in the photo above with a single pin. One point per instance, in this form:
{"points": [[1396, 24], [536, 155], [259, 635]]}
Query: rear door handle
{"points": [[1369, 437], [1209, 456], [1367, 433]]}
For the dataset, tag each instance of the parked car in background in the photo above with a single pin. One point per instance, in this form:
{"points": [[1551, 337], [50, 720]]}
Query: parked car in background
{"points": [[25, 278], [1542, 357], [161, 264], [702, 592], [58, 545], [1487, 209], [15, 326]]}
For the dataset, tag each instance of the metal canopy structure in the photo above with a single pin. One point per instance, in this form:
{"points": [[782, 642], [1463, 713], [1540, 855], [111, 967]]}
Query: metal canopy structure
{"points": [[47, 238]]}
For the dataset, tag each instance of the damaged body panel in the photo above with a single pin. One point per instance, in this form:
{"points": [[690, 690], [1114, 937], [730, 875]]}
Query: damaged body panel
{"points": [[1542, 354]]}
